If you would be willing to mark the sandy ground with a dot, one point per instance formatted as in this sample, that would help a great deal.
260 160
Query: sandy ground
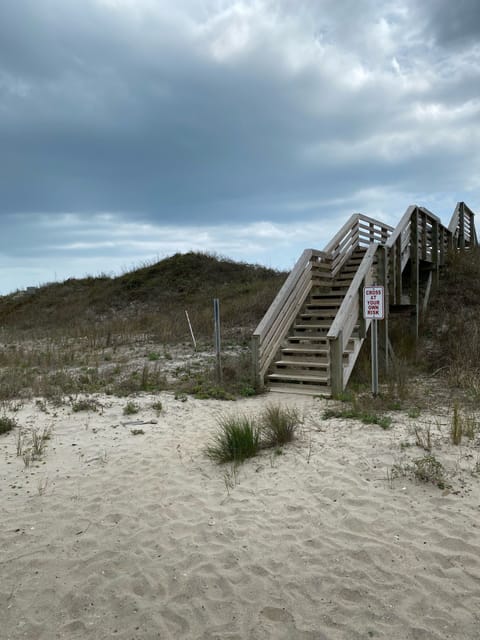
115 535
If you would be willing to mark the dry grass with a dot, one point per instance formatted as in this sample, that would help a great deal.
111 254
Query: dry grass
74 337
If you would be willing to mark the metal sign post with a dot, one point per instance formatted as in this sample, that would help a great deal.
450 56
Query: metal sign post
373 309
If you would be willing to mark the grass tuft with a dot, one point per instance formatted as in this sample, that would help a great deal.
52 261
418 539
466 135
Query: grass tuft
130 408
238 439
429 469
279 424
7 424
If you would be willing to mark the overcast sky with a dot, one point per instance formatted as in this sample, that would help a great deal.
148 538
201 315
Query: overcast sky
134 129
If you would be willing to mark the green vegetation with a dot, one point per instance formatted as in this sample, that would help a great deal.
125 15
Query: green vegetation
31 445
238 438
70 338
451 332
429 469
425 469
278 425
360 410
7 424
462 425
130 408
151 299
85 404
157 406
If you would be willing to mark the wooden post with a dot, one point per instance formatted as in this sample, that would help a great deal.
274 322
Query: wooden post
256 379
336 365
216 313
382 278
461 230
398 270
423 239
414 270
362 325
435 254
442 245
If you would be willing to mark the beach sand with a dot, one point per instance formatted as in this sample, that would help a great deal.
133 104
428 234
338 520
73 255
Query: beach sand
115 535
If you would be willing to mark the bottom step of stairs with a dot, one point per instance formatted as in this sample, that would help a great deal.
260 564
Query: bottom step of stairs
299 382
301 388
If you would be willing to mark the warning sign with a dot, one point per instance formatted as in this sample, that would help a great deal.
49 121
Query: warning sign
373 303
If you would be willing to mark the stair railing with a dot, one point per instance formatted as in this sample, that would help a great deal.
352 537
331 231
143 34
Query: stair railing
348 316
268 336
358 231
462 227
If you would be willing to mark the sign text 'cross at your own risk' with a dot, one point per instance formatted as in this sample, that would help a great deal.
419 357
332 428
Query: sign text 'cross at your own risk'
373 303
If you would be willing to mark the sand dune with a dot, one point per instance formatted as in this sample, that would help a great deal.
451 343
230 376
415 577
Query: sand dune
141 537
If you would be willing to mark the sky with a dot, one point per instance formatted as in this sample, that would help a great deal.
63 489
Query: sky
131 130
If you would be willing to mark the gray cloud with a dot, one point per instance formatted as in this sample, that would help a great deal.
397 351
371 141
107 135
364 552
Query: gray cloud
214 113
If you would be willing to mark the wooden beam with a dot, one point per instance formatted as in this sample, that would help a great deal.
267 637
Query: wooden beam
435 253
414 270
382 279
336 365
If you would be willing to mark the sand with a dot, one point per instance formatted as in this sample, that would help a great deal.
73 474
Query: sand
115 535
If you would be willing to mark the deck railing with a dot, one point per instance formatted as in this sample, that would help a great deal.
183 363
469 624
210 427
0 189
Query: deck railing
283 311
350 316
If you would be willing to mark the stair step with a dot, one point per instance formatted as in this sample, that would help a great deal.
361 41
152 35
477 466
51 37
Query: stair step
301 388
321 266
298 378
304 338
327 296
298 364
324 304
317 313
314 351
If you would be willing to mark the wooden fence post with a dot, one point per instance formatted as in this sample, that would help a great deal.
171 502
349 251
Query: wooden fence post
414 270
382 264
256 378
435 253
336 365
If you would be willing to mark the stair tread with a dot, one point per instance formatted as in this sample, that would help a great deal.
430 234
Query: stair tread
311 350
301 363
317 325
328 313
300 377
310 390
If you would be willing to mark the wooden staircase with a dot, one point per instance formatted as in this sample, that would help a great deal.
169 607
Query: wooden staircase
304 363
311 335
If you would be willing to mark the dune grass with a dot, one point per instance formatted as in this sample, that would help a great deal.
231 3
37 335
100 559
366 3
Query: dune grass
237 439
7 424
240 437
279 424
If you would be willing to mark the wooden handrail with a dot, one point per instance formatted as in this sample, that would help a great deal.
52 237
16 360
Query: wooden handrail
352 293
462 226
401 226
270 332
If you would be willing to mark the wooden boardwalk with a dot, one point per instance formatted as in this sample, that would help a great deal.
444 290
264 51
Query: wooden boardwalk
310 337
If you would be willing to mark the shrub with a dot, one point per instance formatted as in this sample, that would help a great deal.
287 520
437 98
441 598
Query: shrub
130 408
86 404
279 424
429 469
157 406
365 416
237 439
7 424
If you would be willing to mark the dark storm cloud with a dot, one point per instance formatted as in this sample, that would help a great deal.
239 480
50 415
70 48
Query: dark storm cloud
454 24
116 113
